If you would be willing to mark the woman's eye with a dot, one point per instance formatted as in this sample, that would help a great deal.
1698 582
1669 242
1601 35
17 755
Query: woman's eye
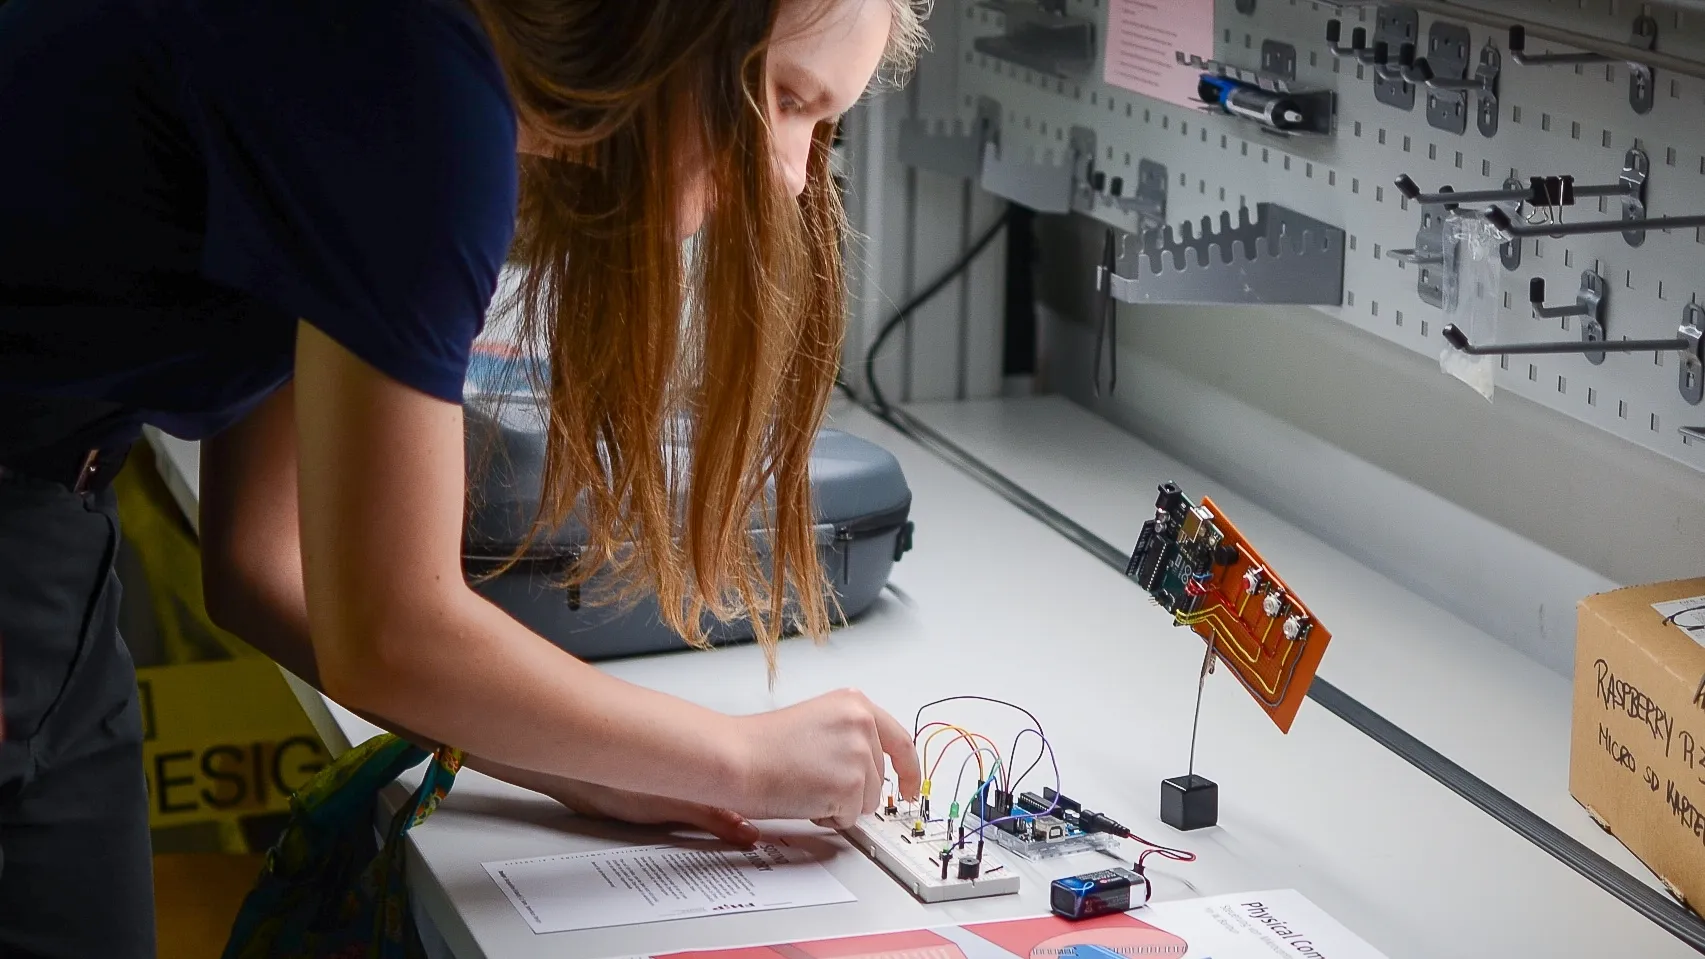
788 103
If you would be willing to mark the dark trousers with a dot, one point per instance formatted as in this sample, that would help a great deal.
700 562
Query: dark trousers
76 871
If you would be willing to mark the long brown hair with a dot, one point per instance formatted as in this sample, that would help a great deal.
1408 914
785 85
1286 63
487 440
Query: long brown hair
726 355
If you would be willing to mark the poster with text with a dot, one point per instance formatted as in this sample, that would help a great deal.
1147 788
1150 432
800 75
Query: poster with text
1246 926
1144 38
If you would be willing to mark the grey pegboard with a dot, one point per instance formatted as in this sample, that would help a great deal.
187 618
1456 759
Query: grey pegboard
1574 119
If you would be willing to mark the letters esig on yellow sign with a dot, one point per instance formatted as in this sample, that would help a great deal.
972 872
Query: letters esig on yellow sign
222 740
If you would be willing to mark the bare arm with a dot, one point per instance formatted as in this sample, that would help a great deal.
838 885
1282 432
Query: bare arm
372 607
393 632
251 547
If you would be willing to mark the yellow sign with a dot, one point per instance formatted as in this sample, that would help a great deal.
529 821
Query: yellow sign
222 740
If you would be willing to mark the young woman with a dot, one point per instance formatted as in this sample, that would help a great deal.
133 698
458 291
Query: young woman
275 226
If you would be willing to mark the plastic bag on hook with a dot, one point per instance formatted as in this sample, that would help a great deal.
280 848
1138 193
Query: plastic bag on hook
1473 293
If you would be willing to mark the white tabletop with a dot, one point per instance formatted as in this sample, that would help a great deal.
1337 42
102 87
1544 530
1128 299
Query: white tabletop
1492 710
997 604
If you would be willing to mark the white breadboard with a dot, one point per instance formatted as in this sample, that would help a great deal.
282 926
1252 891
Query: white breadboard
915 862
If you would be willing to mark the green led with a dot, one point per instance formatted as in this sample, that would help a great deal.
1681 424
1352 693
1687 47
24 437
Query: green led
953 813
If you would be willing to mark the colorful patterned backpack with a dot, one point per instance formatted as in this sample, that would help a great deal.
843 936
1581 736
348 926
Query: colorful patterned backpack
329 890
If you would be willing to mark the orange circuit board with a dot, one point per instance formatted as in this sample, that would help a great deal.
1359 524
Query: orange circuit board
1197 566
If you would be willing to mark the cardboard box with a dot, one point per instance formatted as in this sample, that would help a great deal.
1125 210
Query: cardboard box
1637 754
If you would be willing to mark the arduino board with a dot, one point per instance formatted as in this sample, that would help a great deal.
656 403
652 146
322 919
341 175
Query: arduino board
1197 566
916 861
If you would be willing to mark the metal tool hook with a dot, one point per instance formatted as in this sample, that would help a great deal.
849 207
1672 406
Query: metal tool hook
1689 342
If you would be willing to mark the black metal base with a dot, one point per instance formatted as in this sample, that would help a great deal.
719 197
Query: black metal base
1189 802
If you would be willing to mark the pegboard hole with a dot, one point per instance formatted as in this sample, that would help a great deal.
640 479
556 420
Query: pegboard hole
1485 167
1353 241
1622 409
1657 359
1148 116
1379 194
1374 307
1225 141
1568 257
1355 185
1545 122
1504 361
1506 299
1359 133
1287 163
1382 136
1406 144
1515 114
1459 159
1266 155
1245 149
1350 298
1423 327
1562 384
1376 251
1575 130
1592 396
1654 422
1669 156
1399 317
1432 150
1331 177
1166 123
1532 373
1607 139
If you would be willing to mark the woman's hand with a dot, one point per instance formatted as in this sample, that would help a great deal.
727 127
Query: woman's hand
602 802
825 760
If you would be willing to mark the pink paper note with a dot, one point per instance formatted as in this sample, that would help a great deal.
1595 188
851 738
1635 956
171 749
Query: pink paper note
1143 40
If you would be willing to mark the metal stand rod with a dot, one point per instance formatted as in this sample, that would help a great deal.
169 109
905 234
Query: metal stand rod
1201 683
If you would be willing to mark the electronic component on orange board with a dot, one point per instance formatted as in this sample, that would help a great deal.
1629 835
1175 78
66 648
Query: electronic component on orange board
1197 566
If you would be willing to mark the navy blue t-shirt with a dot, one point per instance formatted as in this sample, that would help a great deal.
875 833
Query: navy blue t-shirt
181 180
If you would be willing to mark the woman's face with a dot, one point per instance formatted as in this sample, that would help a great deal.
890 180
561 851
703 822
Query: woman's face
820 62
